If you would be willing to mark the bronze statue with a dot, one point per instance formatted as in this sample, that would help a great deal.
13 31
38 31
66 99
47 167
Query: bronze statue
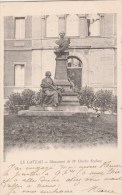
63 43
52 94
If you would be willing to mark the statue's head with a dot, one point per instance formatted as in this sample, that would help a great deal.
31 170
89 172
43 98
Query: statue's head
48 74
62 34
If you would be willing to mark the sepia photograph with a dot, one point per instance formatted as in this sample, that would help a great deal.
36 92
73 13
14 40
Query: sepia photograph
60 80
61 97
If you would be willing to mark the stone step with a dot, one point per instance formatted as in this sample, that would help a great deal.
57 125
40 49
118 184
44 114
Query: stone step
70 99
73 103
52 111
69 93
44 113
69 108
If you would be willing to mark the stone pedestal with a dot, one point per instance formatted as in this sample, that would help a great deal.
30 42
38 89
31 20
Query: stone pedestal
69 98
61 70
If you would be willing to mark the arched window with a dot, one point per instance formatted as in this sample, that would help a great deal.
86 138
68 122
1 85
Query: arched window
72 25
74 72
74 62
93 25
52 26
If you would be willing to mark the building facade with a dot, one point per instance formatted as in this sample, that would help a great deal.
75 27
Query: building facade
29 43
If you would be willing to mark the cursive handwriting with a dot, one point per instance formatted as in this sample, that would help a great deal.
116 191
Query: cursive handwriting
100 189
61 178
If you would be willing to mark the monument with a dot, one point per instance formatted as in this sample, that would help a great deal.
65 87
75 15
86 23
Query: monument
61 78
62 53
69 103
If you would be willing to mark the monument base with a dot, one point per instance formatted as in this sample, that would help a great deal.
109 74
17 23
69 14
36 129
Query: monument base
69 106
61 78
63 84
53 111
70 99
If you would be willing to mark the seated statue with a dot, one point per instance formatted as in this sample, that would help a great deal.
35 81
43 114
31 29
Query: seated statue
51 94
63 43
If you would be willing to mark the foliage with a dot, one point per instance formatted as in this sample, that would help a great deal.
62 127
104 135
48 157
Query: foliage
86 96
28 97
14 100
103 99
38 98
17 101
114 104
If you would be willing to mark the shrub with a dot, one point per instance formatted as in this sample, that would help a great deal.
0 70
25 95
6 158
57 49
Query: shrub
86 96
38 97
28 97
11 105
114 104
22 101
103 100
15 98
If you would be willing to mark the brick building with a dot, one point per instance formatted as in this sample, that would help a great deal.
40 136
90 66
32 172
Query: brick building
29 43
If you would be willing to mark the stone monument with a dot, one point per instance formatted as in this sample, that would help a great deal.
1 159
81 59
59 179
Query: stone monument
62 53
61 78
70 103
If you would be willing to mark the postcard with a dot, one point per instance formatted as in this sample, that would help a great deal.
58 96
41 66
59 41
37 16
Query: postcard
61 97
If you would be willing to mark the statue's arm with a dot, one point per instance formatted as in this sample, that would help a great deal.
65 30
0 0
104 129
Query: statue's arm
53 83
44 84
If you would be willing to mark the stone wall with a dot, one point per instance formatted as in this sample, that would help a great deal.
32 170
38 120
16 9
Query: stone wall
98 54
15 57
101 68
9 26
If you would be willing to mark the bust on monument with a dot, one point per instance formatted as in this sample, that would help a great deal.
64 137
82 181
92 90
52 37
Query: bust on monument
63 44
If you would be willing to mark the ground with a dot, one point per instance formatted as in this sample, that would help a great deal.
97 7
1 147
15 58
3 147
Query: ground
77 130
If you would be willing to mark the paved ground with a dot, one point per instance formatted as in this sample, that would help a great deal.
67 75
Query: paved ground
77 130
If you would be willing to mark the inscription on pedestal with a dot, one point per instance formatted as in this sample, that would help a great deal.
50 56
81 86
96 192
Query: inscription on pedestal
61 67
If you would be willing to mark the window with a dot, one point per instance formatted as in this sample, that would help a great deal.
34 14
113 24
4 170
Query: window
74 62
52 26
20 28
74 72
19 75
93 25
72 25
